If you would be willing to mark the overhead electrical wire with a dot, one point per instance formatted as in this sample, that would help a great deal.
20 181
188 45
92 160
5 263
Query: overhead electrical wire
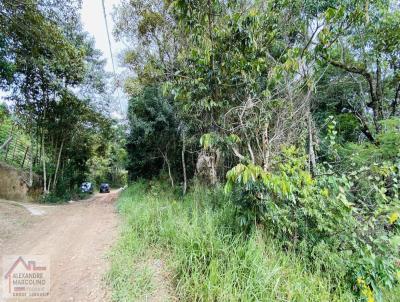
112 56
108 36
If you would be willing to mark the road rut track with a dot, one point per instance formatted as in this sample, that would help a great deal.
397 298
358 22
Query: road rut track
77 238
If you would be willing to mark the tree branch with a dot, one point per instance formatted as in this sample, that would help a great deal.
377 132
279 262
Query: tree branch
236 152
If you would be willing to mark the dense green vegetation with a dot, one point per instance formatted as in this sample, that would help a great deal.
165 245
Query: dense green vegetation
210 257
283 114
293 107
57 91
16 152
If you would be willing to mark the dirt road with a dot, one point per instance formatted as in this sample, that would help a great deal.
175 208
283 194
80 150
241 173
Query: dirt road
76 237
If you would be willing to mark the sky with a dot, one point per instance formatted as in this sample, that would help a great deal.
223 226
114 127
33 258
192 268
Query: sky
93 22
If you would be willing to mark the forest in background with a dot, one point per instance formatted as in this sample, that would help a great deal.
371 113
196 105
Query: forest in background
292 106
57 120
275 124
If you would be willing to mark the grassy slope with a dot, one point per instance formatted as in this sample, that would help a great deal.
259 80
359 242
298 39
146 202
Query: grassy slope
208 262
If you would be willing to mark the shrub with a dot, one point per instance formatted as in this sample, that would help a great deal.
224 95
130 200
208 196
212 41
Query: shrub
325 218
208 259
64 196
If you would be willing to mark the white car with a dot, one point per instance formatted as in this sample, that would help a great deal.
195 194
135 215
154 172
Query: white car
87 187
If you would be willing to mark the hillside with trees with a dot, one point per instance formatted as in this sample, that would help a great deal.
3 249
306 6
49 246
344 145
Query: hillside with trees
261 141
58 123
293 108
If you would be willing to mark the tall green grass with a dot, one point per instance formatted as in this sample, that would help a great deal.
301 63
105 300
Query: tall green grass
208 258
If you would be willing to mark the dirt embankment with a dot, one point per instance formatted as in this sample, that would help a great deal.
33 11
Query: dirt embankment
14 184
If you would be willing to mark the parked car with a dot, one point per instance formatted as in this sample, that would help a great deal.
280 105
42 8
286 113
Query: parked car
87 187
104 188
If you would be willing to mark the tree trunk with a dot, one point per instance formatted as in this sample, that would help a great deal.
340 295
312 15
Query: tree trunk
23 160
266 148
31 162
396 100
378 105
49 184
213 170
38 156
165 156
184 167
311 152
58 164
44 166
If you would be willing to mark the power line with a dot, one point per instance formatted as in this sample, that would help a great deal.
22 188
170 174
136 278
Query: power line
112 56
108 36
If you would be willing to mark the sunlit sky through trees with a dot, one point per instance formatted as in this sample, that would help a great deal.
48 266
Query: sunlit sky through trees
93 21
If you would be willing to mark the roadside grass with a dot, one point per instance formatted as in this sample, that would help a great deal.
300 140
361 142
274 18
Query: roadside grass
208 258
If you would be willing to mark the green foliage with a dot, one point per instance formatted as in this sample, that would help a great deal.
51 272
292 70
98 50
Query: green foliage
6 66
330 219
205 257
246 78
57 84
62 195
16 151
5 122
364 155
153 135
209 140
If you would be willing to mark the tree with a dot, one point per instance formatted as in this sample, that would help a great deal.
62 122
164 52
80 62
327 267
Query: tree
58 85
362 40
153 138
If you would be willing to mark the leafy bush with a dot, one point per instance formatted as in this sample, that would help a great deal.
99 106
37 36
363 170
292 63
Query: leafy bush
326 218
64 196
207 259
153 135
